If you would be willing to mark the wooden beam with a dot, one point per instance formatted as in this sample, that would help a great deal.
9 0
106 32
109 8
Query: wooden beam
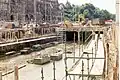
86 75
85 57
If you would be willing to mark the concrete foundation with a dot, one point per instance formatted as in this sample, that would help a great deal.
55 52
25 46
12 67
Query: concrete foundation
56 57
42 60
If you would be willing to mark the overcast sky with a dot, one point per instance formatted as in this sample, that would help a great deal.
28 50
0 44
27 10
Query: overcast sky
102 4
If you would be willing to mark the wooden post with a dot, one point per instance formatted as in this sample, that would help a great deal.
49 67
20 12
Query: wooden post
0 75
10 36
0 35
18 34
5 35
16 73
114 73
13 35
42 31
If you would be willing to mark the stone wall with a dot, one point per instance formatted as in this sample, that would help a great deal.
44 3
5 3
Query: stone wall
30 11
111 55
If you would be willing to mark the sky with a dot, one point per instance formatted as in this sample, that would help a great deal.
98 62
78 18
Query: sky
102 4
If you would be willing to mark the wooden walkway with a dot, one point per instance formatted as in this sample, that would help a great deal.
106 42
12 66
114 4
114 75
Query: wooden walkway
30 40
77 29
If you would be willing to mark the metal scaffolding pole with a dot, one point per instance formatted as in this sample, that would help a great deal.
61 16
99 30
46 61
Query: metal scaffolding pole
79 41
88 66
64 40
92 56
74 49
54 69
82 40
82 70
42 74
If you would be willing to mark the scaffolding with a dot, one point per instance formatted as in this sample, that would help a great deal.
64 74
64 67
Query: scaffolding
82 55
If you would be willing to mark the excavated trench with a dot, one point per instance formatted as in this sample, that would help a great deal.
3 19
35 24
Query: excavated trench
73 35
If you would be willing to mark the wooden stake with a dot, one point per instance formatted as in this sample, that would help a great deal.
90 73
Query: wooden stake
114 73
16 73
0 75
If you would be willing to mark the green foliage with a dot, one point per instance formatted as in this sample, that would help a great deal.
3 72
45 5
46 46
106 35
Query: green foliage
72 12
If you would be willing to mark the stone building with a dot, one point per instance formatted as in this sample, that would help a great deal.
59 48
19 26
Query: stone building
39 11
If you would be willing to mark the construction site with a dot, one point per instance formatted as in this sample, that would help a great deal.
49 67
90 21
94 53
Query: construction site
36 43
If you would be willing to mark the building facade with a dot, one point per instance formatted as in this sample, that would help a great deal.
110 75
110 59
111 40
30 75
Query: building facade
39 11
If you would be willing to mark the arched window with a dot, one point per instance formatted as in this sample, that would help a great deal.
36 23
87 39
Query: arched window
12 17
31 17
26 17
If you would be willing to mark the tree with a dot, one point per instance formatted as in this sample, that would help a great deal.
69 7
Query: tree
72 12
68 11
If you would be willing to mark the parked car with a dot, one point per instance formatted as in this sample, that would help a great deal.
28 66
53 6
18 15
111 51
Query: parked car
36 47
25 51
